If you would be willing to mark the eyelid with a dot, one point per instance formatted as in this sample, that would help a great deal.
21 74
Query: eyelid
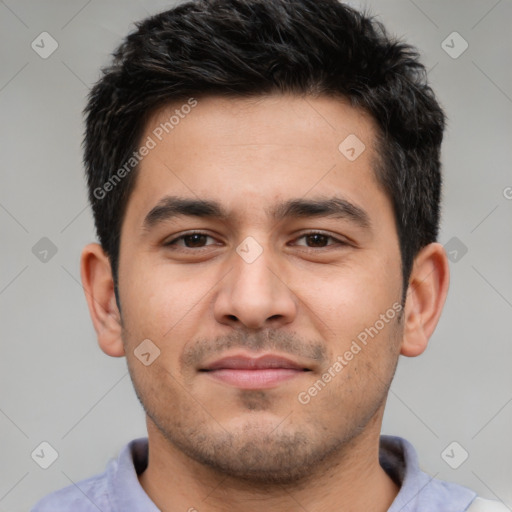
188 233
339 241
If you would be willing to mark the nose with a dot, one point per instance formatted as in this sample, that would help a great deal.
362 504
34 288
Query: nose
255 294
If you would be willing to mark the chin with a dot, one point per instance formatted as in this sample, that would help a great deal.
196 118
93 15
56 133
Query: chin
260 452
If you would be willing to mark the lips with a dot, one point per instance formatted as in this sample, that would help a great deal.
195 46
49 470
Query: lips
247 372
249 363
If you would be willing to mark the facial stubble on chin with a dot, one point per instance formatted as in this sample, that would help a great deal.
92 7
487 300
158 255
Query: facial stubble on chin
258 454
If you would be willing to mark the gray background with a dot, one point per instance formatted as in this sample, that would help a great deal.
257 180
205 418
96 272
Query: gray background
56 384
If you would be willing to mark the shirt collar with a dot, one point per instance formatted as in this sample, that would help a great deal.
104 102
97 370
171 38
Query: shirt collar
418 491
126 491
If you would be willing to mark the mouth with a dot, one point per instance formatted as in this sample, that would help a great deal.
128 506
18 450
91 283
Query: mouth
262 372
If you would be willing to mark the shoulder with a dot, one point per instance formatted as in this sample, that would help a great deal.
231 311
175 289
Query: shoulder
116 488
483 505
88 495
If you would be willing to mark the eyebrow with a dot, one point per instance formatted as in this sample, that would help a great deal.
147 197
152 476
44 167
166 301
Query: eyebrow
170 207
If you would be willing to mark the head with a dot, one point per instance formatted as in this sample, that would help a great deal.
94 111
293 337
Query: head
247 118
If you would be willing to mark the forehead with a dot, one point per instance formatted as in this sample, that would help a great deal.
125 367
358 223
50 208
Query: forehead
256 120
249 153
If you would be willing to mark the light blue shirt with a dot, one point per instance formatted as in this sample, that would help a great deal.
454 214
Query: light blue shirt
118 488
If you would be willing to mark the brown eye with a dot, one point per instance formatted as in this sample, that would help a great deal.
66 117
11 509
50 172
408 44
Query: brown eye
190 241
318 240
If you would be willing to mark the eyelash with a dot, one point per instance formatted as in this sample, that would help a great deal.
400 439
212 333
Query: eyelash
172 243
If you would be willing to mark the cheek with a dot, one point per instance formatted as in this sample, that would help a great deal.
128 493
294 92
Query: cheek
165 306
154 298
353 296
358 313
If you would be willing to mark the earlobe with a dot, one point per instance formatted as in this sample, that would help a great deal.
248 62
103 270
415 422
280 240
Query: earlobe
98 285
428 288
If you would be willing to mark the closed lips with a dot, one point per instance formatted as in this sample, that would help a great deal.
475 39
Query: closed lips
261 363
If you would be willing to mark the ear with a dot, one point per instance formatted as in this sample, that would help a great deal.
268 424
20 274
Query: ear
428 288
98 285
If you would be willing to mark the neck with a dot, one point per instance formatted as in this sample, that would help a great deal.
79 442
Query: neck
348 481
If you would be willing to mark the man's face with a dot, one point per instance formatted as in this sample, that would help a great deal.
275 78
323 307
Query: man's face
301 287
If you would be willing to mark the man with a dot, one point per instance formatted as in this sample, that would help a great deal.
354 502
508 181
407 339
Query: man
265 181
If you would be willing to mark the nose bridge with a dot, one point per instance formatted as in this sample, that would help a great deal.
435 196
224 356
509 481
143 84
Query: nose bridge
251 265
253 293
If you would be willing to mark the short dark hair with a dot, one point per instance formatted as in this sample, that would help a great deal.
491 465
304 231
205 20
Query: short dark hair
248 48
